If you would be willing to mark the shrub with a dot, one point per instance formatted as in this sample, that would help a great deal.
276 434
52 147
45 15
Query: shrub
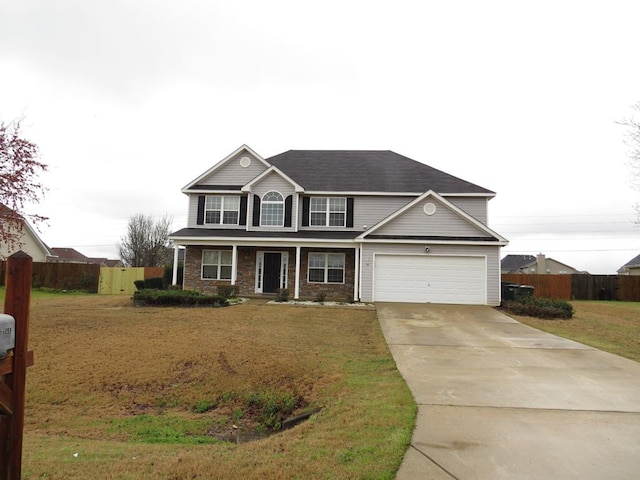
177 298
154 283
282 295
320 296
540 307
139 284
88 281
228 291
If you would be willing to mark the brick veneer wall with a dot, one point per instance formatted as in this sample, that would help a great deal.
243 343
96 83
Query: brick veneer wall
245 280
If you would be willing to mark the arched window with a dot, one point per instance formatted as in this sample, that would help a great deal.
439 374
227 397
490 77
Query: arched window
272 210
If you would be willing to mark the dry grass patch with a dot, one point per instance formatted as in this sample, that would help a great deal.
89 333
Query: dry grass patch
148 392
610 326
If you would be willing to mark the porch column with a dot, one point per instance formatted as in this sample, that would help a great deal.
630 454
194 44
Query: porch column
296 293
176 250
234 264
356 276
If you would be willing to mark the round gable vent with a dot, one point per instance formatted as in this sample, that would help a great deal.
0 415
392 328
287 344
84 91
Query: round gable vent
245 162
429 208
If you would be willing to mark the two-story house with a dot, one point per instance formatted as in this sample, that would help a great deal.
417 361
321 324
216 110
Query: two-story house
361 225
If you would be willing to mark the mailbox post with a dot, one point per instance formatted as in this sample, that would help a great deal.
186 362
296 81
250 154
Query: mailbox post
12 391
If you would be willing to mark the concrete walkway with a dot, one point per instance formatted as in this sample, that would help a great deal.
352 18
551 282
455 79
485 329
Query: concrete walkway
497 399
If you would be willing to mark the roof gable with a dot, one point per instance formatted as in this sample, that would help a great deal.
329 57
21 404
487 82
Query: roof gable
634 262
380 171
231 173
267 173
431 215
16 222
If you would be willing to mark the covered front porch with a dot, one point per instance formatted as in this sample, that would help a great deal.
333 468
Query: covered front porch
262 270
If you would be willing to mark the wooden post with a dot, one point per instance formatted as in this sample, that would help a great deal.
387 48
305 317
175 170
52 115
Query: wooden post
16 304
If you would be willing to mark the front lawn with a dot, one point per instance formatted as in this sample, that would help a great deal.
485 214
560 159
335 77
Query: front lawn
610 326
124 392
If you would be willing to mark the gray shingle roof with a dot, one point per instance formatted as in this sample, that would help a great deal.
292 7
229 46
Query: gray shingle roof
633 262
516 262
367 171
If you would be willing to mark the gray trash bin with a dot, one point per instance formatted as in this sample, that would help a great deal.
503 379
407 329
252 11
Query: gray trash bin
524 291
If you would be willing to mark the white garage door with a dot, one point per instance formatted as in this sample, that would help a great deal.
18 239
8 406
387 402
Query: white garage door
430 279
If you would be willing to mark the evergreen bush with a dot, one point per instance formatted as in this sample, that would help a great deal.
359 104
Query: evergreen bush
187 298
547 308
228 291
283 295
156 283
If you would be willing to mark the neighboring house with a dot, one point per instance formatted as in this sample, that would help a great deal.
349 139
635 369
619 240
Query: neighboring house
68 255
27 241
538 264
361 225
106 262
632 267
71 255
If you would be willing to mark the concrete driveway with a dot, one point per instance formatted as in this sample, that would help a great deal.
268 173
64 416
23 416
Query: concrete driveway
497 399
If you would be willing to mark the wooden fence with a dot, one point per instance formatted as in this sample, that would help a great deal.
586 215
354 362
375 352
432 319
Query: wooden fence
581 287
70 276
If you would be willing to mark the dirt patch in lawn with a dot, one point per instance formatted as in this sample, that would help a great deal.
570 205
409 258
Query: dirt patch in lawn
106 371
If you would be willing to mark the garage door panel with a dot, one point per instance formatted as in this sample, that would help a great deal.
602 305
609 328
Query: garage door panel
432 279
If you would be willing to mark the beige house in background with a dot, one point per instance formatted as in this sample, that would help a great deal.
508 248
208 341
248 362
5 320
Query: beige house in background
29 241
632 267
539 264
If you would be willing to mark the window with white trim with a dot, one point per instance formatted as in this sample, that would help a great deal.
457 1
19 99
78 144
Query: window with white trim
326 268
221 210
216 264
272 210
327 211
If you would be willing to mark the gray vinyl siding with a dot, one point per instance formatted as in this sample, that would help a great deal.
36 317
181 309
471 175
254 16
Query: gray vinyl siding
192 220
444 222
232 173
474 206
272 182
367 210
492 254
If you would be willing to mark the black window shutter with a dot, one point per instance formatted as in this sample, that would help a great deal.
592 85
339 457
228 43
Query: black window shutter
350 212
305 211
200 219
256 211
243 211
288 208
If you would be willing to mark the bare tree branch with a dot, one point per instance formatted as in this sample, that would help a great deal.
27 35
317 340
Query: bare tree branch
19 168
632 140
146 243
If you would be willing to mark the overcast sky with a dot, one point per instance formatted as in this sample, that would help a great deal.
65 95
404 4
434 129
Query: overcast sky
130 100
